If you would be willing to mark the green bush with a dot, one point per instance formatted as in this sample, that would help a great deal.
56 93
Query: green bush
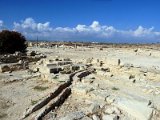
12 41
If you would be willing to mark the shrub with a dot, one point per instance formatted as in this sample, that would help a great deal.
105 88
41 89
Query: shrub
12 41
114 88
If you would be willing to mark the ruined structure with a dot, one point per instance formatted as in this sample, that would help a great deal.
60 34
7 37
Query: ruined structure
81 83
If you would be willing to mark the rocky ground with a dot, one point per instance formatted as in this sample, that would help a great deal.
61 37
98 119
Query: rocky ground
84 84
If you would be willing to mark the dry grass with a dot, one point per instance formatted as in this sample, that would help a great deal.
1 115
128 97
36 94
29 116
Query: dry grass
40 88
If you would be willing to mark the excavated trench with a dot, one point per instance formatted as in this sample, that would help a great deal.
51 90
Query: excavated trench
56 98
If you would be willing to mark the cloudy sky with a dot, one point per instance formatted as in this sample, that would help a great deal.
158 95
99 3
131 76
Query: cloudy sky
83 20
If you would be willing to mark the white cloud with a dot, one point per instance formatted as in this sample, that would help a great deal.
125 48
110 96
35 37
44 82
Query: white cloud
93 32
29 25
140 31
95 26
1 23
81 28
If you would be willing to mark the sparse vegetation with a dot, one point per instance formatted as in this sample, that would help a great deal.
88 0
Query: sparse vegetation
114 88
33 102
40 88
55 77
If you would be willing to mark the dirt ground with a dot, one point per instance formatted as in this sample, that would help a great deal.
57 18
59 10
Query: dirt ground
20 90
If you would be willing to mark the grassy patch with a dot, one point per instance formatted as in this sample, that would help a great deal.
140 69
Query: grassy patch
33 102
114 88
40 88
55 77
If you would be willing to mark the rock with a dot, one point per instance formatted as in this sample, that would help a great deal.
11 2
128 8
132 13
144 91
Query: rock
144 70
66 59
33 53
99 95
66 69
17 53
135 50
64 62
4 68
11 67
101 63
138 109
86 118
94 108
119 61
84 74
75 67
110 99
20 62
131 76
134 81
109 117
111 110
50 68
73 116
105 69
95 117
82 89
89 60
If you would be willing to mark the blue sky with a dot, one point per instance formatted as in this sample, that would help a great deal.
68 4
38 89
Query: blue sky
86 20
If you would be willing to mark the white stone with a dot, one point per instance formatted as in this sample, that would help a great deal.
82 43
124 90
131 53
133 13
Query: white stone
110 99
137 109
73 116
94 108
109 110
109 117
86 118
95 117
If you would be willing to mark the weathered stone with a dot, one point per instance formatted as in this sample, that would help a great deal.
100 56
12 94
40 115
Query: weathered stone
138 109
119 61
33 53
109 117
86 118
105 69
83 74
64 62
73 116
110 99
4 68
89 60
95 117
11 67
82 89
50 68
131 76
94 108
67 59
99 94
75 67
111 110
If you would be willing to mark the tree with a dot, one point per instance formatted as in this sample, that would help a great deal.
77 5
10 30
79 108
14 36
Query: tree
12 41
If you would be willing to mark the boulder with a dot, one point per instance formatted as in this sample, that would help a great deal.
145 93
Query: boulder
138 109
